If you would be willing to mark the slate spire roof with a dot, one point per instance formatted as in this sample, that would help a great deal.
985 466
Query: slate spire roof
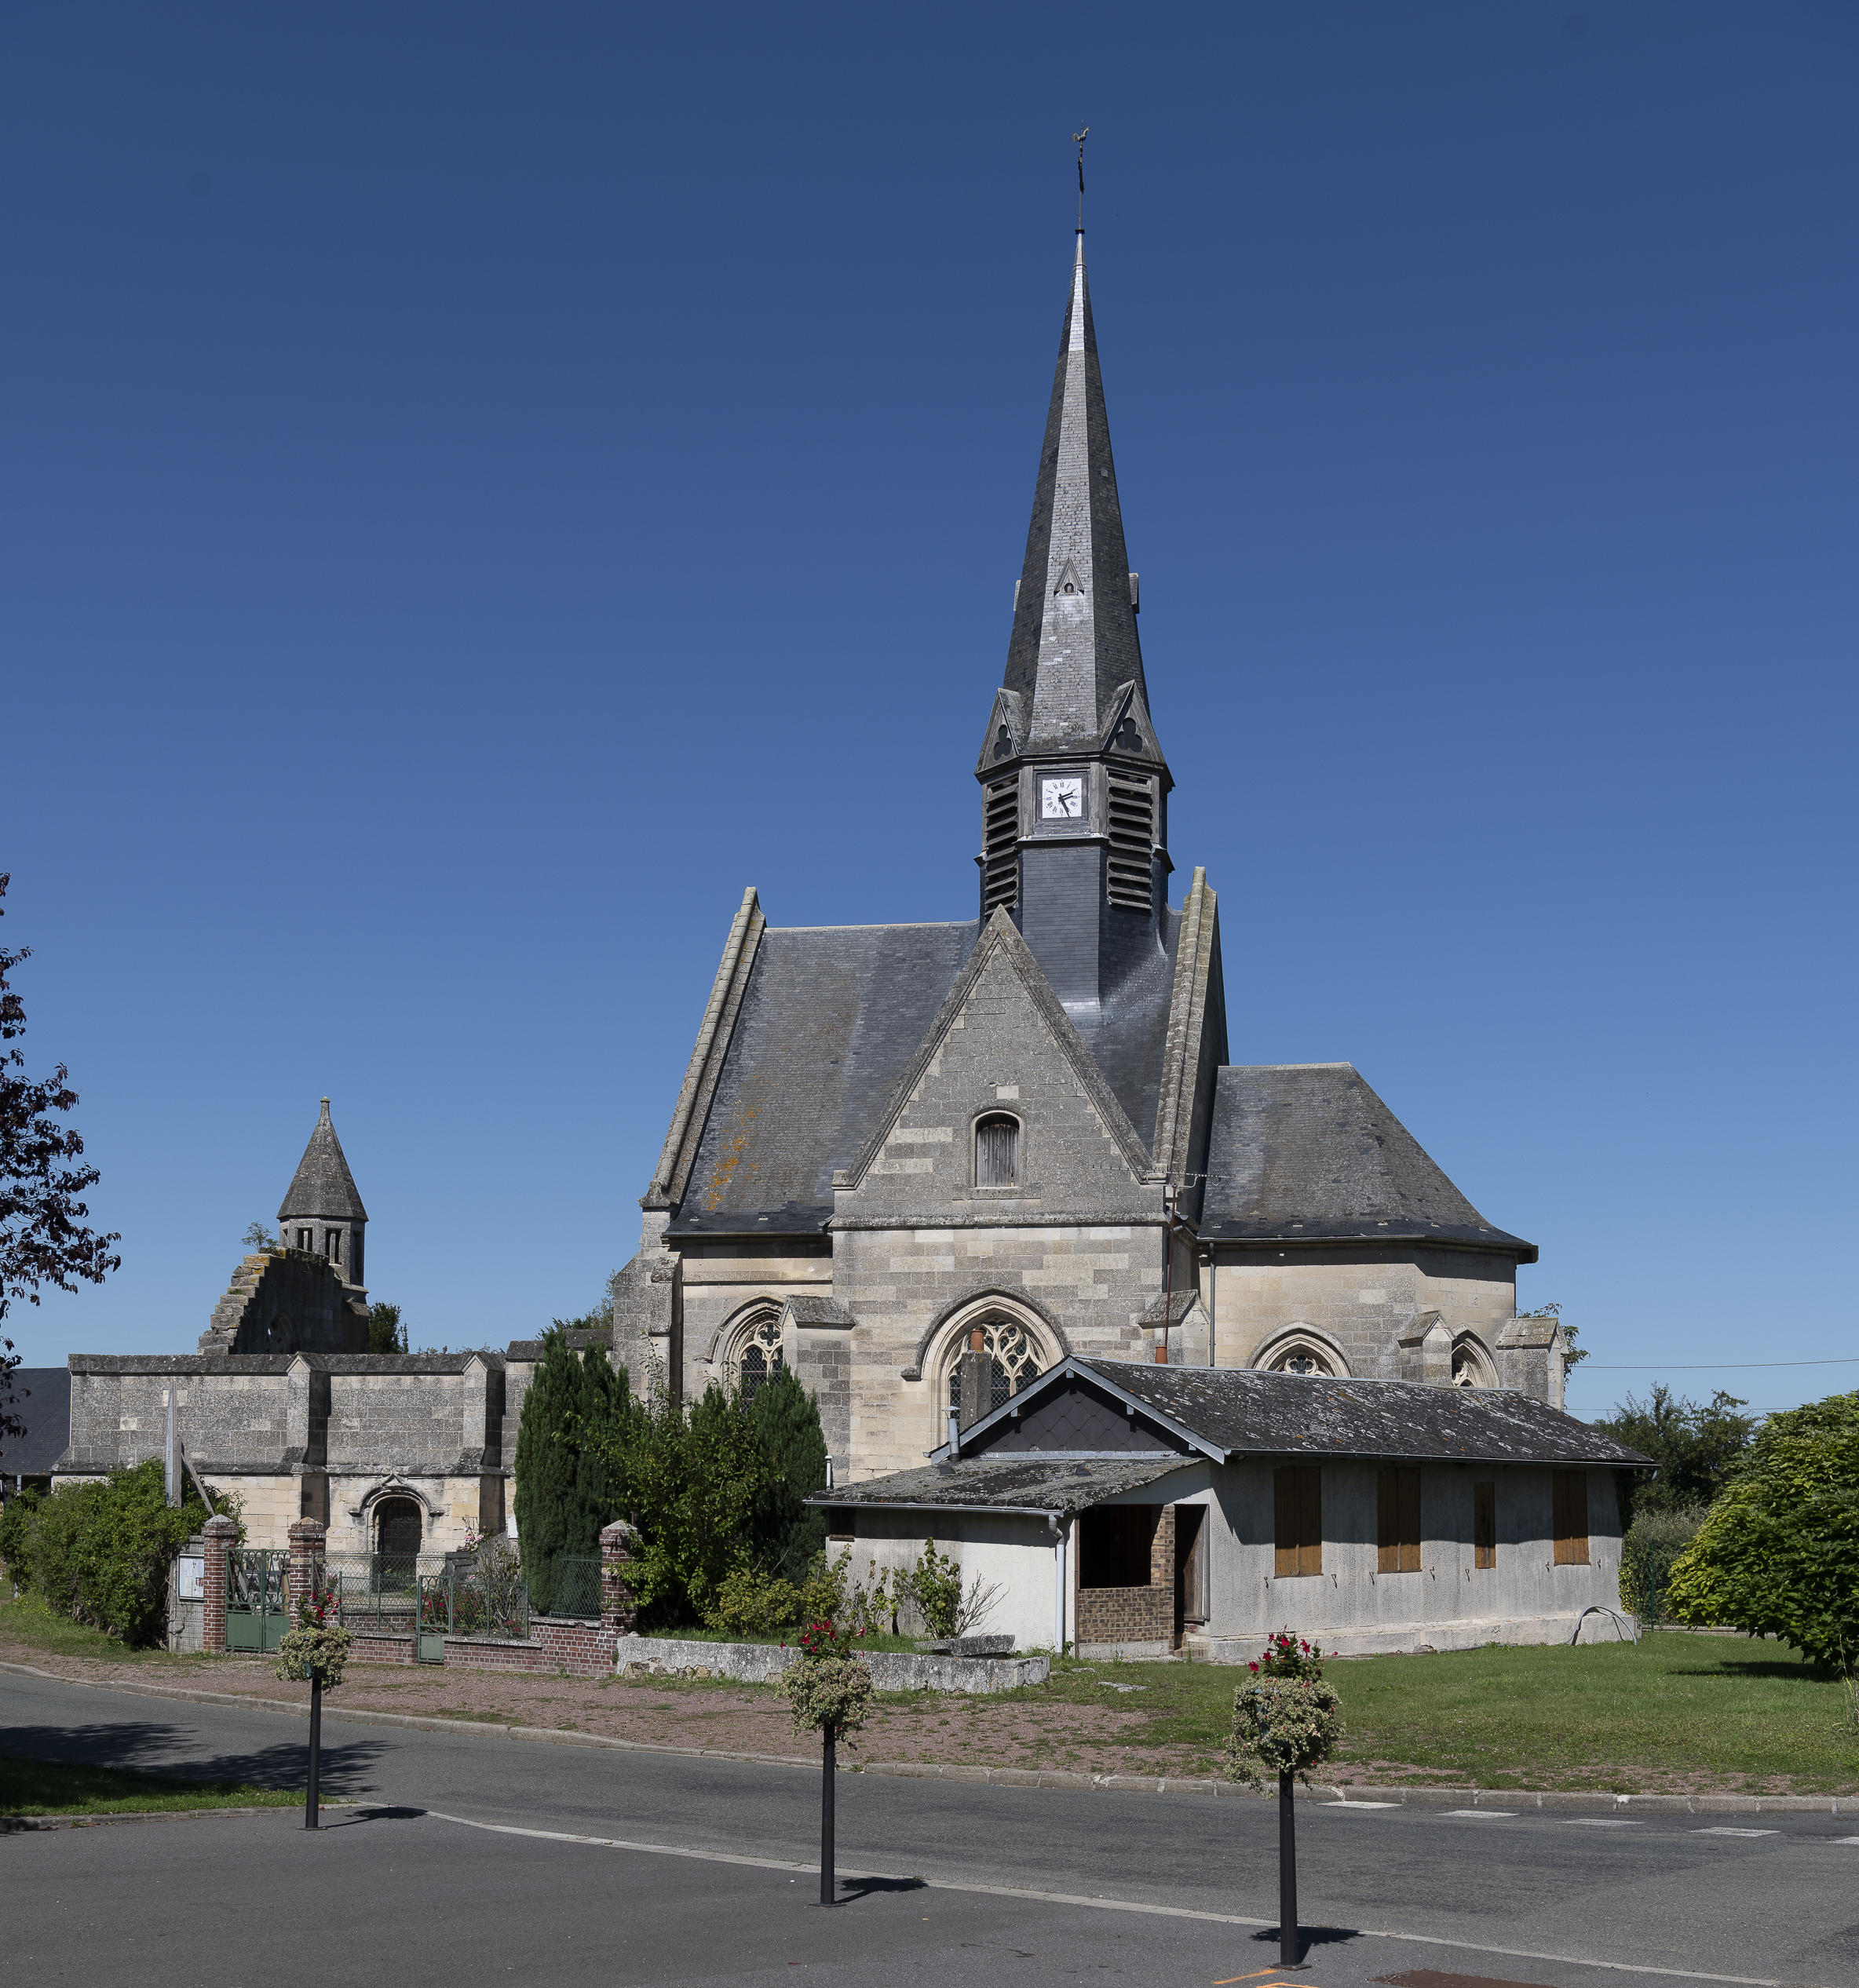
322 1184
1074 651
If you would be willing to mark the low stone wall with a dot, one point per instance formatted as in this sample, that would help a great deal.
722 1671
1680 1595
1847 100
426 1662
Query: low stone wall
582 1649
761 1663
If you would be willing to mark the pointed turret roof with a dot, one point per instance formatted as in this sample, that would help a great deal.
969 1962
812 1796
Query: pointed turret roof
1074 657
322 1184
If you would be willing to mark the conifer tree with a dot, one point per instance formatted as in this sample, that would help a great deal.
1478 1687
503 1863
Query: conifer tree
563 1494
786 1419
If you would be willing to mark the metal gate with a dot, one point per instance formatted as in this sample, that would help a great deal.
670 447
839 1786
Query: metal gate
255 1598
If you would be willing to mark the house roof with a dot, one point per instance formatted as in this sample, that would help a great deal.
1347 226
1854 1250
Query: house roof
46 1413
322 1184
1303 1154
1234 1412
1059 1486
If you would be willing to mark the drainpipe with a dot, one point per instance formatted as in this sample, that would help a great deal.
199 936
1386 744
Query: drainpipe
1058 1583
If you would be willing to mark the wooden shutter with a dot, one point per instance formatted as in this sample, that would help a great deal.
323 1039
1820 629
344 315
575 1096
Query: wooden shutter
1484 1525
1397 1515
1297 1521
1569 1494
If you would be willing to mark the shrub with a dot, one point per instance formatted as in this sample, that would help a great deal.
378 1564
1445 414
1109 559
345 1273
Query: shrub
1778 1553
16 1535
1653 1542
789 1532
752 1603
935 1585
101 1552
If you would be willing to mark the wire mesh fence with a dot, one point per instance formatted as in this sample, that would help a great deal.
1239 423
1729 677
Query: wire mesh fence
474 1600
566 1584
378 1590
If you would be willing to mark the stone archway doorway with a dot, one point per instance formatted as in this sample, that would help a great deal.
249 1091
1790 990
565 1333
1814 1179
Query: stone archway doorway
400 1530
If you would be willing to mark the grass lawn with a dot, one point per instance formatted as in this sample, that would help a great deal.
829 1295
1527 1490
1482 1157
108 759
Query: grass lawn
1676 1714
55 1788
27 1621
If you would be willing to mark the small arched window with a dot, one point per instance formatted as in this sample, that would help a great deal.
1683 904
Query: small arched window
997 1152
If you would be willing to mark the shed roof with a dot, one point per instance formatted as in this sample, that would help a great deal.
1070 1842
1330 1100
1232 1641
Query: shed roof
1307 1153
1236 1412
1061 1486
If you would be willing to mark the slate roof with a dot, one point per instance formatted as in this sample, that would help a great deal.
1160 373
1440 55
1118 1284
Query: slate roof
1067 658
1307 1153
322 1184
46 1413
1061 1486
1239 1412
831 1017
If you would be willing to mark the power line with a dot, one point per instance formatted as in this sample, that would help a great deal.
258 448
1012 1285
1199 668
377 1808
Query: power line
1717 1366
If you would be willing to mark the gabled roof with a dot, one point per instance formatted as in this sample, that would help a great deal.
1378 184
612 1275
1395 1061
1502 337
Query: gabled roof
1306 1153
322 1184
1074 644
1002 936
1230 1413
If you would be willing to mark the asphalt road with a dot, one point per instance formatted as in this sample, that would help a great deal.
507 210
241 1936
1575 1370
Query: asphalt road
1536 1897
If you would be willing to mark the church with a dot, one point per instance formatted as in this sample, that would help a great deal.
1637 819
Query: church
973 1181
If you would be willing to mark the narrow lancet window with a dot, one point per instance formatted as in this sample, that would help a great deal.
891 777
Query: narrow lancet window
997 1153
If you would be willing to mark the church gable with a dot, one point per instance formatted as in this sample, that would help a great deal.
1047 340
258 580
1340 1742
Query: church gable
1001 1111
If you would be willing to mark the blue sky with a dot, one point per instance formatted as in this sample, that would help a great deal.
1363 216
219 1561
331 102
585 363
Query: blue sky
483 484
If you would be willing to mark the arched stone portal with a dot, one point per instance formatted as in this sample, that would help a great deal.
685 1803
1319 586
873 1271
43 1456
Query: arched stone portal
399 1529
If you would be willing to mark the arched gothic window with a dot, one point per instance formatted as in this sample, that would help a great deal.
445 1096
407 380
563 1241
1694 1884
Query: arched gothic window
1303 1352
1470 1368
1014 1357
758 1354
997 1152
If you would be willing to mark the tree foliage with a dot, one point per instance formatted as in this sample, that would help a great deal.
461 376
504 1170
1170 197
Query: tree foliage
574 1409
99 1552
386 1334
790 1533
1779 1554
1695 1445
258 1236
43 1237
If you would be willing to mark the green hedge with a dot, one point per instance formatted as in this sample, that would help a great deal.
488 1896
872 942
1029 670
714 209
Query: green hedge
99 1553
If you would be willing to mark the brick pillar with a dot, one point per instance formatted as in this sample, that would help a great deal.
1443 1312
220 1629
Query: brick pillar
221 1534
618 1611
306 1538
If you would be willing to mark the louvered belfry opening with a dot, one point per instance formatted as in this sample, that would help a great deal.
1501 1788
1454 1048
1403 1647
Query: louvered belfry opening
997 1153
1132 842
1000 838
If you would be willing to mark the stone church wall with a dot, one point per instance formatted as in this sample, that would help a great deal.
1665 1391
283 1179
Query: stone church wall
1364 1300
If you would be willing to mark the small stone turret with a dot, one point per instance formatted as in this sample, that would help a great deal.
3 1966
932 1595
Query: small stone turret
323 1214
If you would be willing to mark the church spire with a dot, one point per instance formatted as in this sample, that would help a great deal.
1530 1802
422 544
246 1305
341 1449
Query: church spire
1073 787
1074 652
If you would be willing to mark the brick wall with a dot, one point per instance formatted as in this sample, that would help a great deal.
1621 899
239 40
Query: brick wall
372 1646
1135 1615
582 1649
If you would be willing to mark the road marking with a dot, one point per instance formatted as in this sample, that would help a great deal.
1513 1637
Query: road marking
1496 1815
1103 1904
1725 1832
1343 1803
1603 1822
1843 1838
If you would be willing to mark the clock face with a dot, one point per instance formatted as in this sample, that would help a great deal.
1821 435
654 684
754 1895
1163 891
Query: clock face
1062 800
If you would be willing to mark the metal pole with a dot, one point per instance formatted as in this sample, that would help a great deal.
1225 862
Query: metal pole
310 1798
1288 1943
827 1887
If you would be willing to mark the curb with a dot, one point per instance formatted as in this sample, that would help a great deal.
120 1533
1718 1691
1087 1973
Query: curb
1396 1796
16 1824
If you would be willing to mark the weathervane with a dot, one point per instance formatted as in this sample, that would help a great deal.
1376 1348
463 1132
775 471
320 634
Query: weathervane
1078 139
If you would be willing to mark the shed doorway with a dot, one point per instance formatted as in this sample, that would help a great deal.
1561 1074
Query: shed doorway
400 1527
1190 1569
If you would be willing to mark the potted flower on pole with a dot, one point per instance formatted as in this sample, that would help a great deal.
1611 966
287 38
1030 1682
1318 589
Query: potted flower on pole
1286 1720
830 1691
316 1648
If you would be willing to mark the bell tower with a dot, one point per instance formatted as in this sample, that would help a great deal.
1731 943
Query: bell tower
1074 786
322 1211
